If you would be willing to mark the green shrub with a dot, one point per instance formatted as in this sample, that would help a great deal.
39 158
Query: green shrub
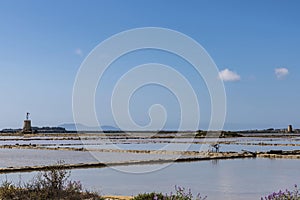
180 194
149 196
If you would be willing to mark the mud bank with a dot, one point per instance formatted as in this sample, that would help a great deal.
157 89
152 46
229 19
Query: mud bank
295 154
199 157
266 144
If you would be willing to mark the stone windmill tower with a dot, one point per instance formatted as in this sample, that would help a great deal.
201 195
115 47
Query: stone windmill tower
27 124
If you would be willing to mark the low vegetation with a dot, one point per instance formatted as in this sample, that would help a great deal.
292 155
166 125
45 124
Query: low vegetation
284 195
51 184
217 134
180 194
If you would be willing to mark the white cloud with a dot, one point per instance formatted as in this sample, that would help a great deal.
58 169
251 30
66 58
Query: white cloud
227 75
281 72
78 52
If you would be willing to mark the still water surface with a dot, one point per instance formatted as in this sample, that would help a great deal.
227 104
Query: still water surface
224 179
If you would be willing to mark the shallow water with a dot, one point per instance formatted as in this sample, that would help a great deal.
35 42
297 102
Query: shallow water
31 157
182 147
225 179
222 179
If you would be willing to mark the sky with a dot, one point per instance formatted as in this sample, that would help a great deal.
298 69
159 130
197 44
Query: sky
255 45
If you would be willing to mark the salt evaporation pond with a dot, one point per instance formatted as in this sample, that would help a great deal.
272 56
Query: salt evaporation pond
179 147
32 157
218 179
224 179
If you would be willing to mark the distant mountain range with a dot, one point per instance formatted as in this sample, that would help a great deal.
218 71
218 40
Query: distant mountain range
81 127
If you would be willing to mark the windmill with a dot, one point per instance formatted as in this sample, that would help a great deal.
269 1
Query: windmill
27 124
27 115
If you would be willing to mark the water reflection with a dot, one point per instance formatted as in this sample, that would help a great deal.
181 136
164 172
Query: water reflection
223 179
214 162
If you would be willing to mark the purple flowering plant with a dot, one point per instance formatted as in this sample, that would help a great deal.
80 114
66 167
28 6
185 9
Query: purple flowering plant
284 195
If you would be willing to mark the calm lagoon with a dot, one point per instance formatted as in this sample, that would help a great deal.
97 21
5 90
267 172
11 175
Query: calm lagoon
222 179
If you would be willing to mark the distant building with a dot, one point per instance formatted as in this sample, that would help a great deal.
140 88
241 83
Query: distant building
290 129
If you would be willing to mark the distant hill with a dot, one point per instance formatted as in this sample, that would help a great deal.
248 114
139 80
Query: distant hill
81 127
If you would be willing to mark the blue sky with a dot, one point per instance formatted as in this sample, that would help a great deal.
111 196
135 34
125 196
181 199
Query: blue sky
43 43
